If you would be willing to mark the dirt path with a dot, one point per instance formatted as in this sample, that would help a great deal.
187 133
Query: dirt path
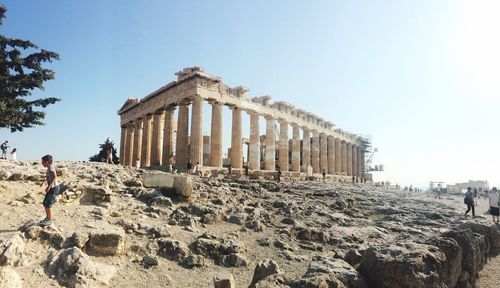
490 275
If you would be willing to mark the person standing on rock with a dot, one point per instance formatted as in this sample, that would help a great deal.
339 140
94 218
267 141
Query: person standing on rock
494 204
324 175
278 173
51 191
189 167
13 154
469 201
4 147
109 156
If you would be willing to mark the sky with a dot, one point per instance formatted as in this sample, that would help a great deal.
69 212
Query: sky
420 78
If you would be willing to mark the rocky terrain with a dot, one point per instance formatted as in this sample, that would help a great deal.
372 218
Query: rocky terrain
112 231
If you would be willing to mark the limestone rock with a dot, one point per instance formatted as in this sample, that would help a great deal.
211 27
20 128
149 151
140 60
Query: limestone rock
403 266
264 269
106 243
11 248
183 185
226 252
9 278
224 281
326 264
172 249
71 267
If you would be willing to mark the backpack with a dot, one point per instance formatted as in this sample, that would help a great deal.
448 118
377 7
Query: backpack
468 198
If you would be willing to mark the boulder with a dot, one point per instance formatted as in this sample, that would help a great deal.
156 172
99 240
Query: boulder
488 229
474 249
172 249
409 265
224 281
106 243
157 179
183 185
11 248
46 235
9 278
224 251
264 269
71 267
345 273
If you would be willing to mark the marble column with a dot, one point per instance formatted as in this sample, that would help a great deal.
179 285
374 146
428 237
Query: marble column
196 145
130 149
283 146
147 136
254 147
156 144
167 137
349 159
338 157
306 148
270 160
354 160
137 155
216 135
123 145
296 148
331 155
344 158
181 143
236 137
315 152
361 157
323 156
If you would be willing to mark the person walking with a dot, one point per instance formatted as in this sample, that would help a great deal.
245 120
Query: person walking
494 204
51 191
469 201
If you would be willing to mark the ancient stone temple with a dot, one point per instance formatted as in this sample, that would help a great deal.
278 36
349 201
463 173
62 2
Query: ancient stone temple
151 135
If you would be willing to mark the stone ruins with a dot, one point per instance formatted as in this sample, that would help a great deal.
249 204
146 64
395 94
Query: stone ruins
148 130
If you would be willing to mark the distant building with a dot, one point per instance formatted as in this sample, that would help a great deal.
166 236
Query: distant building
481 186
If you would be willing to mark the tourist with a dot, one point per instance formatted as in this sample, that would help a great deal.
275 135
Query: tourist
469 201
353 179
4 147
324 175
13 154
197 168
278 173
170 168
52 189
246 171
475 196
137 163
229 171
109 156
309 171
494 204
189 167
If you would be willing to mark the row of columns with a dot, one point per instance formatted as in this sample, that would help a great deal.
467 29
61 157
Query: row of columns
142 142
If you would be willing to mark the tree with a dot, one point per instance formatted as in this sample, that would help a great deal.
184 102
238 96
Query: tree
19 76
101 156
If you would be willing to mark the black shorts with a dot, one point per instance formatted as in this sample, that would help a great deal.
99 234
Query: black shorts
50 197
495 211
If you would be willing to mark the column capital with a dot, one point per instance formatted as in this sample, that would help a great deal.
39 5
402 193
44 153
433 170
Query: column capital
214 102
268 117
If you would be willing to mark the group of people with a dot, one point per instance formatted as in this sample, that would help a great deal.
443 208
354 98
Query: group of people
5 146
494 202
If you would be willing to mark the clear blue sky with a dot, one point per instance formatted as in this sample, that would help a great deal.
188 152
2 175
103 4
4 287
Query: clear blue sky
420 77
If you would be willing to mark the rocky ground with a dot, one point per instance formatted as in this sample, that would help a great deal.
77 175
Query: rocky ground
112 231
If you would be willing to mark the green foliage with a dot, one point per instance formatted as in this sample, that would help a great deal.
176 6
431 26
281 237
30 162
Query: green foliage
101 156
19 76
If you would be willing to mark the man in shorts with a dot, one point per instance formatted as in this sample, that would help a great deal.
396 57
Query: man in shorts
494 204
